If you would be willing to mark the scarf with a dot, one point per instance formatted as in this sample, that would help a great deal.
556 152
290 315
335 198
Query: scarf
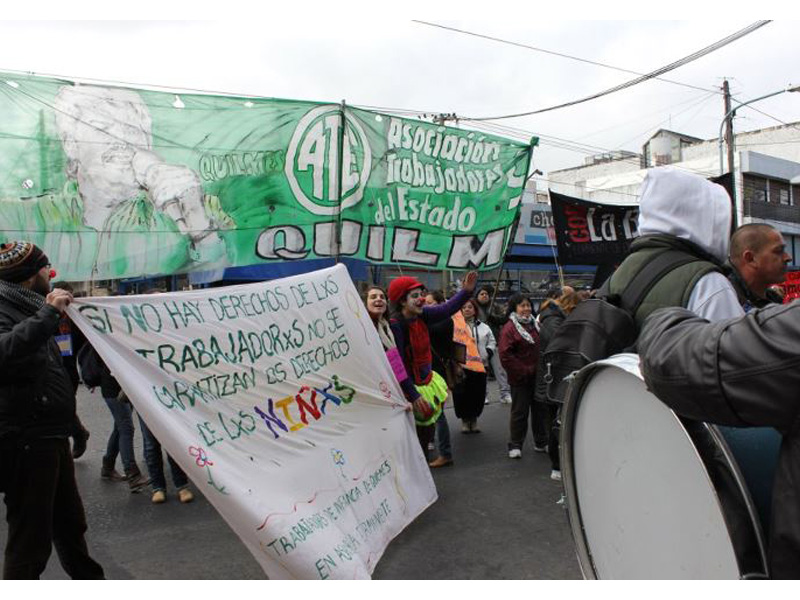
26 300
385 333
519 323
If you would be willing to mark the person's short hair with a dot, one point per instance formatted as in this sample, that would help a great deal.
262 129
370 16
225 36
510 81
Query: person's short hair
474 304
516 300
63 285
751 236
438 295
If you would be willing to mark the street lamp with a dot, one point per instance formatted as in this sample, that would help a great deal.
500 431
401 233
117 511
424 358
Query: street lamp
732 112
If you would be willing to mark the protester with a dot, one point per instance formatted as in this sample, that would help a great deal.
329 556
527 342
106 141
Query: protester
740 373
683 212
120 441
551 314
37 416
155 463
519 353
495 317
758 260
445 364
469 394
155 468
377 306
70 340
425 388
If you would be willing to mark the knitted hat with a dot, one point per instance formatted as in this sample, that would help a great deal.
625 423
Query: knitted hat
401 286
20 261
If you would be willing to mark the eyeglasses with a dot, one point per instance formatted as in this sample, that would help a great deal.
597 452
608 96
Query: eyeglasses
417 293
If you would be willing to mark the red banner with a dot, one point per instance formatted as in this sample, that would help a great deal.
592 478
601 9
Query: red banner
791 287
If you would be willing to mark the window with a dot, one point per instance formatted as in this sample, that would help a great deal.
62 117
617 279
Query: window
779 192
755 189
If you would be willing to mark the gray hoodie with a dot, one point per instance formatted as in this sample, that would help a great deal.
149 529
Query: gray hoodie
687 206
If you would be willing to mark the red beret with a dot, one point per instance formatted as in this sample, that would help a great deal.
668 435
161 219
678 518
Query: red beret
401 286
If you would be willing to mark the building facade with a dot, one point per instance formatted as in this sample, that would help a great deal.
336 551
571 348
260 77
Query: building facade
766 176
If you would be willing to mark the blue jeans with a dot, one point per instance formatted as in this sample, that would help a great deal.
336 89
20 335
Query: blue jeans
443 435
155 462
120 442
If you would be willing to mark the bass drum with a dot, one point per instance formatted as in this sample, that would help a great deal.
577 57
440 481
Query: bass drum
651 495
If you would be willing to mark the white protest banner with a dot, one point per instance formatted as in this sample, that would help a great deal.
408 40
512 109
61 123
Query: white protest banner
278 401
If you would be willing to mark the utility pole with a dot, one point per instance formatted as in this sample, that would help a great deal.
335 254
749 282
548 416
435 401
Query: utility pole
441 120
729 124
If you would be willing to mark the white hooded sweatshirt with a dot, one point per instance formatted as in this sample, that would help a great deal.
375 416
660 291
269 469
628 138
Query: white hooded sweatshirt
692 208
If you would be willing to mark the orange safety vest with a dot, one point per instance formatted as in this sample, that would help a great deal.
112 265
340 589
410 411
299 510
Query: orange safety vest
463 335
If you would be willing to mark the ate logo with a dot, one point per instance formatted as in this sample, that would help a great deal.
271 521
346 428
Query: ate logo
314 166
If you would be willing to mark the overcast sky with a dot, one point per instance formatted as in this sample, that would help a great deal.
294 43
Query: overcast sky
391 62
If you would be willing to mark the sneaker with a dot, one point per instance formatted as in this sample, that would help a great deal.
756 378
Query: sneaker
540 448
441 461
515 453
159 497
465 427
505 399
486 401
555 475
185 495
473 427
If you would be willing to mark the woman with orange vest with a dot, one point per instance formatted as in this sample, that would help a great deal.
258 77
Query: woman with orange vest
469 395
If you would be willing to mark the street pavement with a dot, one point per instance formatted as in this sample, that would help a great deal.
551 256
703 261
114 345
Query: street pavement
495 518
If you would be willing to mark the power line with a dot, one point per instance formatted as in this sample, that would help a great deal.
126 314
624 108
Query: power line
652 75
573 146
559 54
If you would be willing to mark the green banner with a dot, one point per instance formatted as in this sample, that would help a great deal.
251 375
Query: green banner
118 182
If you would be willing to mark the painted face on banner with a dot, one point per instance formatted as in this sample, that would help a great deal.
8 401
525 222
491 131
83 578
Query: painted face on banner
101 130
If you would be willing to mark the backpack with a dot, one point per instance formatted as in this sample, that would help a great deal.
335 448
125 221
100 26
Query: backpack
90 366
602 326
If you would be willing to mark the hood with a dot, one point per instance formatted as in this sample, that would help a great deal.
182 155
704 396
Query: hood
687 206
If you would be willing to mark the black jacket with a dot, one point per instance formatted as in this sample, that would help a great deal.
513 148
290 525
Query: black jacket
747 298
740 372
549 320
36 395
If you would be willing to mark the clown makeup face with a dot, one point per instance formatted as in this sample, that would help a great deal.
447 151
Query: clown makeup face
413 303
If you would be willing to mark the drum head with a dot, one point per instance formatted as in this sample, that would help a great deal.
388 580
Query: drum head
641 502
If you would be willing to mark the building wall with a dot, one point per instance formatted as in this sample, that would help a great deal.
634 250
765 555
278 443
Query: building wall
773 153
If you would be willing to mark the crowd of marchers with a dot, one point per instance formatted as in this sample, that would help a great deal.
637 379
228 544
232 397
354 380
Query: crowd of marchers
693 324
722 295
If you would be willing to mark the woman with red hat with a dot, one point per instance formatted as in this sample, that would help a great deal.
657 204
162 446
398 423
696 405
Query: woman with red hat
424 388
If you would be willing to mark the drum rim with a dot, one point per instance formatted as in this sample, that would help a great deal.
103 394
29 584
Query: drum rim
574 516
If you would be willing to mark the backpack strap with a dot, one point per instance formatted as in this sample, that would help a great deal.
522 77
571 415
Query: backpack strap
650 274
